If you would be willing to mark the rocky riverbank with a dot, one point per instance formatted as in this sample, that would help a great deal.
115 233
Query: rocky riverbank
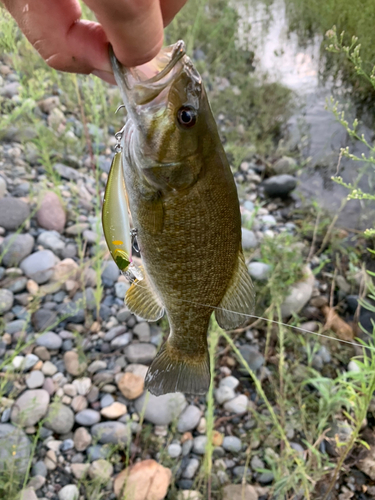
75 420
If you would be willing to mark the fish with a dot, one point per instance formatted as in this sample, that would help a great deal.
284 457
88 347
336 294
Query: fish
184 205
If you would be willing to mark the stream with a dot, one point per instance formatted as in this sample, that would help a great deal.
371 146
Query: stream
312 128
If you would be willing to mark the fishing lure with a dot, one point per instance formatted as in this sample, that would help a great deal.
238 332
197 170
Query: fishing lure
115 215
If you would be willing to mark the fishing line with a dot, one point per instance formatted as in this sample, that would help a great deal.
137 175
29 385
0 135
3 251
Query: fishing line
280 323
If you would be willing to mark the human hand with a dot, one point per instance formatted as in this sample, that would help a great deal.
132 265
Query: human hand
68 43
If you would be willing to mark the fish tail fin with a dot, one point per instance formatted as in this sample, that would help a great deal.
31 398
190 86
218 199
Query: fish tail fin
173 371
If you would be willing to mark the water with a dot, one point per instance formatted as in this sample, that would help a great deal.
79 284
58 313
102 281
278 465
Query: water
312 128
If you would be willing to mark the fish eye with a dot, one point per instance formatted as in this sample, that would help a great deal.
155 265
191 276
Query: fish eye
187 116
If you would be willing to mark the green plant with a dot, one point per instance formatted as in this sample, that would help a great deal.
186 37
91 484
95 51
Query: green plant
316 17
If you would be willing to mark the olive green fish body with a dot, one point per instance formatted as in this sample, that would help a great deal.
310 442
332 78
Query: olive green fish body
184 204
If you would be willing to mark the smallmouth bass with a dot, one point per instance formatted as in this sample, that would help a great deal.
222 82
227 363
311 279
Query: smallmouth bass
184 206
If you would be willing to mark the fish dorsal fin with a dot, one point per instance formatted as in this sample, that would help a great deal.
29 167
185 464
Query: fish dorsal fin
239 298
143 300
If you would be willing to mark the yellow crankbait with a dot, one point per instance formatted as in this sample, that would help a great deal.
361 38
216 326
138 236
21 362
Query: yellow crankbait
115 216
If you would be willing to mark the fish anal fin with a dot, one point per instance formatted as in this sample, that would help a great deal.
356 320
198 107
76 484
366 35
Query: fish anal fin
172 371
239 298
143 301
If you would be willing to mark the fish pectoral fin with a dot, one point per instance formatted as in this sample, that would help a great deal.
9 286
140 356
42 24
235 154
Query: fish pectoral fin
143 300
239 298
174 371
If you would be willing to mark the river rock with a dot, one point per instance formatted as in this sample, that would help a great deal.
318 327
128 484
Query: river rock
96 366
111 432
131 385
35 379
279 185
299 294
88 417
50 340
29 493
189 419
30 407
239 492
232 444
249 240
82 385
13 440
49 103
237 405
15 248
161 410
101 469
15 326
223 394
142 331
121 288
137 369
146 480
10 89
3 186
229 381
252 357
199 445
259 270
60 418
189 495
13 212
66 269
51 240
66 172
51 214
191 468
6 300
114 411
73 364
174 450
43 319
140 353
284 165
82 439
110 271
69 492
39 266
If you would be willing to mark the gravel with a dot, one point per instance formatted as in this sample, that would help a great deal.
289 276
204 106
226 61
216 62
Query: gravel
50 340
189 419
15 447
39 266
13 212
161 410
15 248
232 444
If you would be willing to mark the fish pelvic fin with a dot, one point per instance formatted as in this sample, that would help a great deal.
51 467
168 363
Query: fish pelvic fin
239 298
173 371
143 300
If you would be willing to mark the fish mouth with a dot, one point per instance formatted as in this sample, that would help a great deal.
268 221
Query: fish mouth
142 84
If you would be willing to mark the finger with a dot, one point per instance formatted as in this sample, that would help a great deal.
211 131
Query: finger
65 42
169 8
134 28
